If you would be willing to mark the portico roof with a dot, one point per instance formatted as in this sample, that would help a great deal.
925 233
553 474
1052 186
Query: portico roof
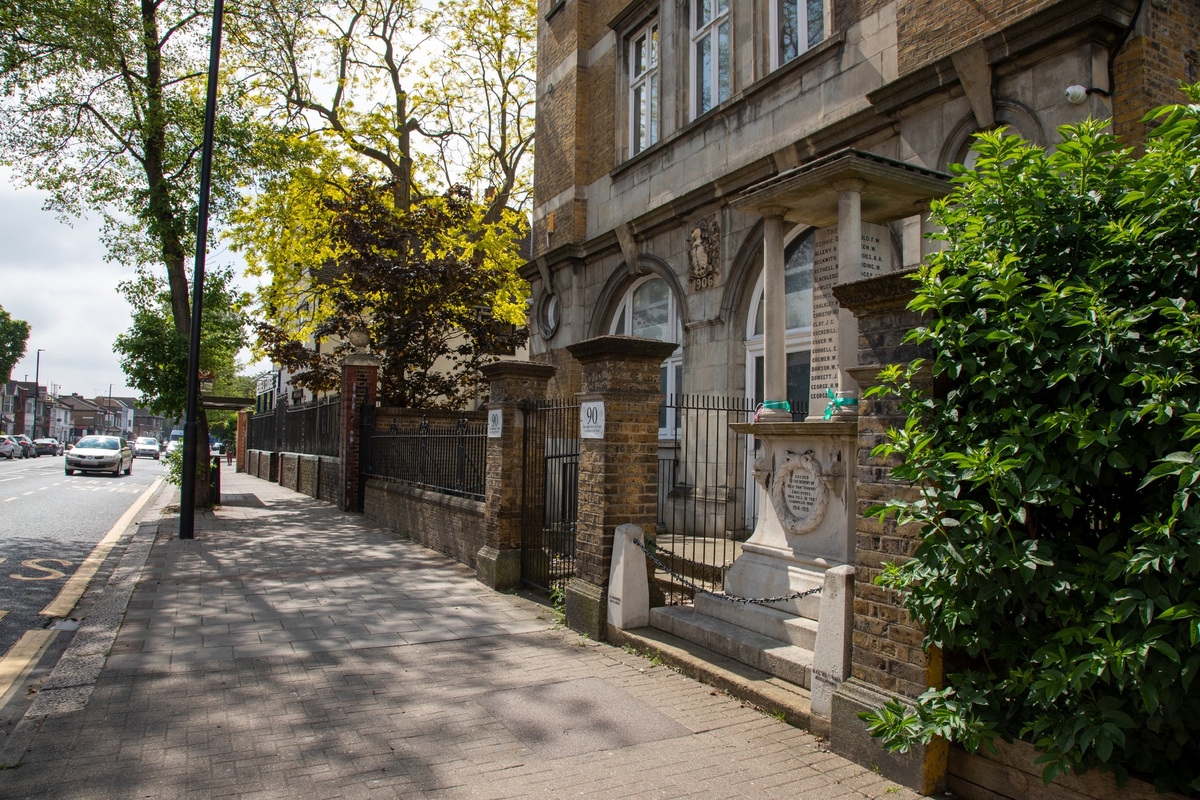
809 193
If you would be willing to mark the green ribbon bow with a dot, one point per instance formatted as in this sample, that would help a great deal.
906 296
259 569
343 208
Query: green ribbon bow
836 402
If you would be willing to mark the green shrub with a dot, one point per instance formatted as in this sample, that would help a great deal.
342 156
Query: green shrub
1059 515
174 461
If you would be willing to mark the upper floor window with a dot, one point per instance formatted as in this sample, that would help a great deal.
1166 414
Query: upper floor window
643 88
800 24
710 54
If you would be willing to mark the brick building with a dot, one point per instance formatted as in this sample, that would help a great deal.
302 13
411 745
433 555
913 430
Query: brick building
653 117
679 143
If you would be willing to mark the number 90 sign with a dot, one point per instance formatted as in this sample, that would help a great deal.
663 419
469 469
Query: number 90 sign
591 420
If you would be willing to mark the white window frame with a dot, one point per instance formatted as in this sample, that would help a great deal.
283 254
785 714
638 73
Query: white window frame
622 324
777 8
649 106
709 31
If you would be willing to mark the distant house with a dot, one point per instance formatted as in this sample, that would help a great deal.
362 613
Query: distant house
88 417
124 408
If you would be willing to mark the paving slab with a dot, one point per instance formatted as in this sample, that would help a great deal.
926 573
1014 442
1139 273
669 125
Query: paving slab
292 650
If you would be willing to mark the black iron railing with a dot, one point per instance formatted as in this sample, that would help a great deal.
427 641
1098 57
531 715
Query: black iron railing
261 431
707 498
550 504
445 457
313 428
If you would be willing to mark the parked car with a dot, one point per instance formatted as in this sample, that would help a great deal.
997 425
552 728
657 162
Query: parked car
146 446
100 454
48 447
10 448
28 445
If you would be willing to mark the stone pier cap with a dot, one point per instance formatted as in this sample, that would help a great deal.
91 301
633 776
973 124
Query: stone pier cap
891 189
611 361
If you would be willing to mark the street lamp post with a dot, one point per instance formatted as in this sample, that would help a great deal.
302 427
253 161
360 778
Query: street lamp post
37 371
187 489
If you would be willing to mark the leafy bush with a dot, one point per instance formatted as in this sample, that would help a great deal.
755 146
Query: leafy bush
1058 513
174 462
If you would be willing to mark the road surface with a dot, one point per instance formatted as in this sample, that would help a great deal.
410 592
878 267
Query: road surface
49 522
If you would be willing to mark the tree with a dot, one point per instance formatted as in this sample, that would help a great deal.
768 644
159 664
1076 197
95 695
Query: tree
1057 563
472 109
336 69
154 355
430 310
14 334
477 108
103 105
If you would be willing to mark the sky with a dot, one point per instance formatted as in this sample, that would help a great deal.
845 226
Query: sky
55 277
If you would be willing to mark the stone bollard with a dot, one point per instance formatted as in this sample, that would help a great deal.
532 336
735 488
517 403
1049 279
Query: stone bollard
628 582
835 627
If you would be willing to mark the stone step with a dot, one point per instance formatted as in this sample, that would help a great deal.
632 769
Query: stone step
787 628
783 660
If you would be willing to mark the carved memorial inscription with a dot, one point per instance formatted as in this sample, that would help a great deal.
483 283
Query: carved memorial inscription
798 493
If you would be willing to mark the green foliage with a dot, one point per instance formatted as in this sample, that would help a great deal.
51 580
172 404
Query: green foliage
174 464
14 334
1060 529
154 355
435 286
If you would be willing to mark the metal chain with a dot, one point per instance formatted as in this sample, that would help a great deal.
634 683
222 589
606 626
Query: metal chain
763 601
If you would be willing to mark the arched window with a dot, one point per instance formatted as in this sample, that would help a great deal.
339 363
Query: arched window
798 285
649 310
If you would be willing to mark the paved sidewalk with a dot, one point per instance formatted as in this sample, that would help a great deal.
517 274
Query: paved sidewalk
295 651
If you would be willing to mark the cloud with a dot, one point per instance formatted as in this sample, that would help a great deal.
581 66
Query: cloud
55 277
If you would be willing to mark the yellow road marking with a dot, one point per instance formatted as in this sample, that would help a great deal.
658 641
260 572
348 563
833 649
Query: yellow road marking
34 563
3 614
73 589
23 656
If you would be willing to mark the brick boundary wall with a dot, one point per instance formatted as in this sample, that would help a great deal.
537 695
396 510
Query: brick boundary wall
450 525
263 464
289 471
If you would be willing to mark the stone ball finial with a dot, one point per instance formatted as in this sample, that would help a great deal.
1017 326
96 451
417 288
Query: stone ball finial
359 337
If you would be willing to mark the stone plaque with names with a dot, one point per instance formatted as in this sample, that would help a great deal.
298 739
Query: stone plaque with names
876 260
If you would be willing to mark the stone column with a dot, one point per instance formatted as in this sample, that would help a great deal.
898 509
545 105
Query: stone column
360 384
618 474
774 317
849 270
498 563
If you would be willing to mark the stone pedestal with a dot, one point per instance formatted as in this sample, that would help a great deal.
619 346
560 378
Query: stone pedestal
498 563
618 472
806 509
